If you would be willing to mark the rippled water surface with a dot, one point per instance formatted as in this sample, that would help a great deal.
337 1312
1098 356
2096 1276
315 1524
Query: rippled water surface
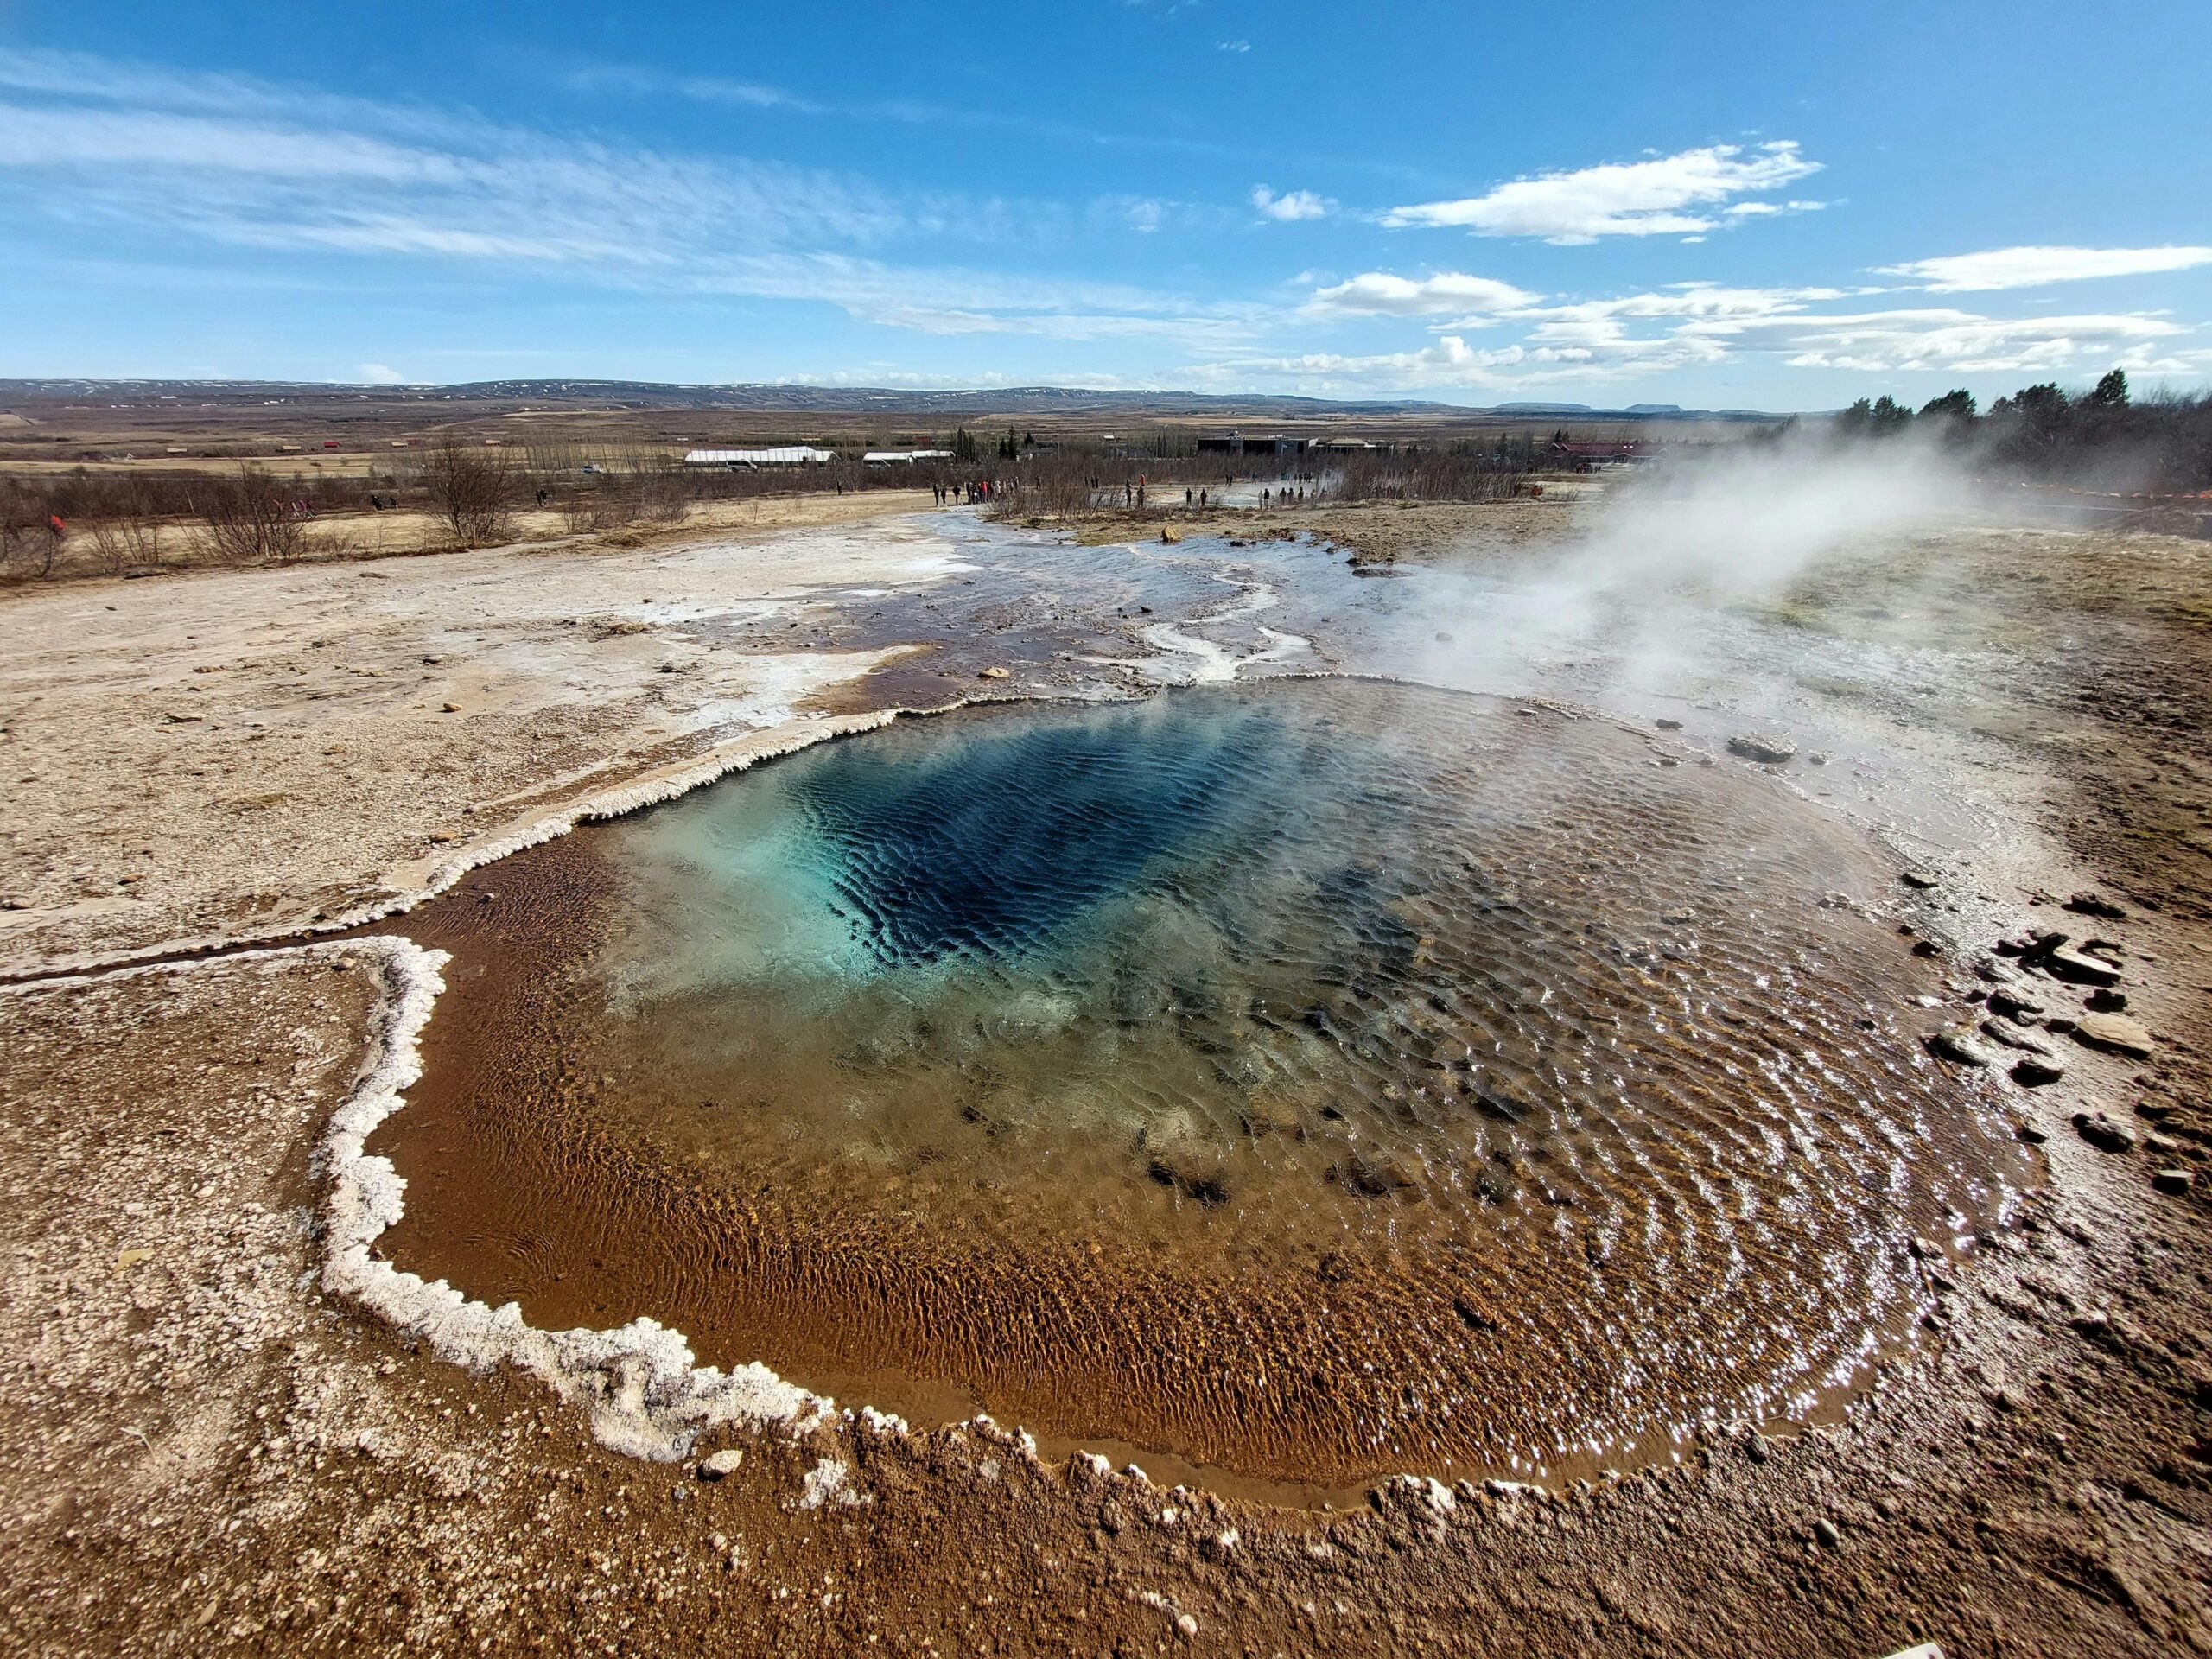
1315 1077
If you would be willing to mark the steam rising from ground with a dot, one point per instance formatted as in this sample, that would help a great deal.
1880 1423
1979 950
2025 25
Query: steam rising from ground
1669 554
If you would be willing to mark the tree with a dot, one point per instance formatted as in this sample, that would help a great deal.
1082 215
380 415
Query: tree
964 446
473 490
2111 392
1888 417
248 519
1953 407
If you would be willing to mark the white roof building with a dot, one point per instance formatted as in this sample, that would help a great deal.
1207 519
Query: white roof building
791 455
885 457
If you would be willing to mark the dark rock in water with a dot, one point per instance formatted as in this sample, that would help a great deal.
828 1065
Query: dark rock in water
1374 1178
1957 1045
1666 724
2034 1071
2030 1133
2115 1033
1917 878
2105 1134
2078 967
1768 752
1206 1186
2106 1002
2020 1009
2093 904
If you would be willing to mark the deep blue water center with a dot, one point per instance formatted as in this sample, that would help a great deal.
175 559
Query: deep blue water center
995 844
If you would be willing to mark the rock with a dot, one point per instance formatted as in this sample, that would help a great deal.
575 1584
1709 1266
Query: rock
2020 1010
2093 904
2012 1036
1996 970
449 708
1186 1627
2115 1033
1768 752
1825 1531
2034 1071
2107 1001
1169 533
723 1465
2029 1133
180 717
1816 759
1957 1045
1666 724
2077 967
2161 1146
2105 1134
1919 879
2173 1182
994 673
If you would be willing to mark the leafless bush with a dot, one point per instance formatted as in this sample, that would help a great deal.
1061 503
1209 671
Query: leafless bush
250 520
126 543
473 491
1460 474
27 544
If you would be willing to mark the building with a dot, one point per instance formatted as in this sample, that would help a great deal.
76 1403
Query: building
1236 443
790 455
903 457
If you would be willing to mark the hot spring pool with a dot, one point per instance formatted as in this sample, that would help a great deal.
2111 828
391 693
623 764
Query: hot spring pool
1311 1079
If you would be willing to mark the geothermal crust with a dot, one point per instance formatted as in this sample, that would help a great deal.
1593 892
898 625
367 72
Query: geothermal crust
200 1442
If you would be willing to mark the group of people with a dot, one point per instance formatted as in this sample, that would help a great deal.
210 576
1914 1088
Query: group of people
948 495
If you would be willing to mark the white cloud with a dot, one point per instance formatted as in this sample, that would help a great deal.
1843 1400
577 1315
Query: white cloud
1377 294
1999 267
1965 342
1667 195
1291 204
1233 46
380 374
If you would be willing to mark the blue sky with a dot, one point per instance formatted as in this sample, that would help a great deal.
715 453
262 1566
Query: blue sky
1778 206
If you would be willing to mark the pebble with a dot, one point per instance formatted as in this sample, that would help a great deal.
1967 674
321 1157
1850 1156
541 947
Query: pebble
2078 967
2115 1032
994 673
2105 1134
722 1464
1957 1044
1825 1531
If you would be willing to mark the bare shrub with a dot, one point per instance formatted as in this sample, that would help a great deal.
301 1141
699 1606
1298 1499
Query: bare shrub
473 491
27 544
126 543
249 519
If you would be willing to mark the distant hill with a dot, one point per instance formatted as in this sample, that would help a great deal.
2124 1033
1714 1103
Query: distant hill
1017 402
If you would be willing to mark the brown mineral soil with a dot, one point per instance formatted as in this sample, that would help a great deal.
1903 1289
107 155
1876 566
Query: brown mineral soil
199 1450
1378 533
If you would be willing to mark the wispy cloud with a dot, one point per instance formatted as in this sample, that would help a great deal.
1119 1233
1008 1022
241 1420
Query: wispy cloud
380 374
2002 268
1666 195
1291 205
153 156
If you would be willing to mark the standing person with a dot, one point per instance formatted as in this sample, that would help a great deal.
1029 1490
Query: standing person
1202 500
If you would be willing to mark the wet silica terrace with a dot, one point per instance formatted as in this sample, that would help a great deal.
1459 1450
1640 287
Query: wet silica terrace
1305 1080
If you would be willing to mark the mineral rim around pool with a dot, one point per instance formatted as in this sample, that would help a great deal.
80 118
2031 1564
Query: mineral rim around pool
1310 1080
